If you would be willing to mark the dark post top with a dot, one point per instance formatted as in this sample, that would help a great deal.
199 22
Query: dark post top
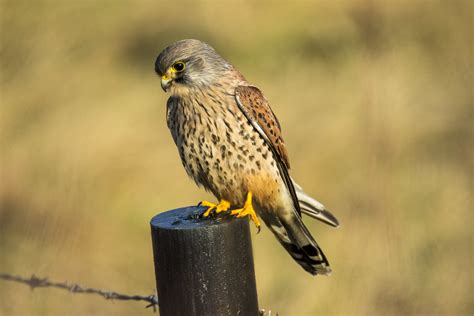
203 266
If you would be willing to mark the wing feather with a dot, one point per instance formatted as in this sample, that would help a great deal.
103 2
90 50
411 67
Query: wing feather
257 110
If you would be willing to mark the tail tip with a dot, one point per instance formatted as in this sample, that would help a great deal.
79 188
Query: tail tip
332 220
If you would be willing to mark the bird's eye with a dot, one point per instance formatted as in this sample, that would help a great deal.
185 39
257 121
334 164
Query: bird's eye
178 66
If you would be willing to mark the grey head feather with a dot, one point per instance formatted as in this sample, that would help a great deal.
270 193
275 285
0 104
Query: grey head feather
203 64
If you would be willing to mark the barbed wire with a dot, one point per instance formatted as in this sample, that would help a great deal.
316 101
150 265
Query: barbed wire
35 282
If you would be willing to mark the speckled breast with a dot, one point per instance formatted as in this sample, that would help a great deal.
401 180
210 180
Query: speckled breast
220 149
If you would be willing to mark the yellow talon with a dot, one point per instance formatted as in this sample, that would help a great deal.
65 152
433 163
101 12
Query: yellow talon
221 207
210 207
248 210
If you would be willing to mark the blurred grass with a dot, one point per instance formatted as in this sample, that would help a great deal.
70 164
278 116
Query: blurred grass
375 100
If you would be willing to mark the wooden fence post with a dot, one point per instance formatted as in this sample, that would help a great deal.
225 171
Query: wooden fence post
203 266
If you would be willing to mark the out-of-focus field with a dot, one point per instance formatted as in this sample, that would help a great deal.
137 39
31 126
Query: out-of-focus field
376 103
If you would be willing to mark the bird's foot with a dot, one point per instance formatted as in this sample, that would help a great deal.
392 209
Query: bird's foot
248 210
222 206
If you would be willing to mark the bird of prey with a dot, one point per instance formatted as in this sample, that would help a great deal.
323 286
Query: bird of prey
230 143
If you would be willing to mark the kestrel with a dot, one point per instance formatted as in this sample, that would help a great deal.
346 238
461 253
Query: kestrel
230 143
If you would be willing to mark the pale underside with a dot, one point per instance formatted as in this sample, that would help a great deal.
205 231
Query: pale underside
223 152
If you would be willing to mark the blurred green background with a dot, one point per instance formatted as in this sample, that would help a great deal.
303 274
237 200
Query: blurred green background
376 103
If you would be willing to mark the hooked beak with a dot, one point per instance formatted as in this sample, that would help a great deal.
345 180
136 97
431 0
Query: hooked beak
165 82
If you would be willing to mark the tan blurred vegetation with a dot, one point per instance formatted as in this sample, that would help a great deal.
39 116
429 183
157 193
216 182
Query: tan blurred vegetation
375 99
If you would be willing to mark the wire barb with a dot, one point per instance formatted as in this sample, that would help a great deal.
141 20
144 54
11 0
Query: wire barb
35 282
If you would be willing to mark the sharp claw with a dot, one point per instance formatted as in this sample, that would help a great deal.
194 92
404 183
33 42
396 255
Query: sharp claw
257 223
206 203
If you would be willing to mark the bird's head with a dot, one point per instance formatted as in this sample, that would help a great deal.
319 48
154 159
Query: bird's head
188 64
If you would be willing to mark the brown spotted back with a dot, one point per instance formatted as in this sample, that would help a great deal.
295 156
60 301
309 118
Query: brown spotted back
256 107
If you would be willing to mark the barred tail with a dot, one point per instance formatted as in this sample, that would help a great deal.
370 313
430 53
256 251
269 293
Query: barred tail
296 239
